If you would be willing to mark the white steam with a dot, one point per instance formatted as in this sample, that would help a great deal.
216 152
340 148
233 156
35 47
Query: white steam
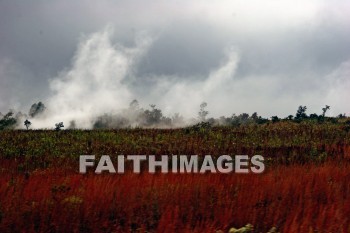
97 83
100 80
94 84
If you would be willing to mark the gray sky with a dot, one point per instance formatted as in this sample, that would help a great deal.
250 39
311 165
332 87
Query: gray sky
267 56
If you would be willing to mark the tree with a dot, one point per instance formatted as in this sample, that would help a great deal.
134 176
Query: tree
59 126
301 113
314 116
8 121
254 116
290 117
202 114
244 117
324 110
275 119
262 120
36 109
27 123
153 116
109 121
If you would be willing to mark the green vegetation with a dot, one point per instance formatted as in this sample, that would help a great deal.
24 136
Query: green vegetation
279 143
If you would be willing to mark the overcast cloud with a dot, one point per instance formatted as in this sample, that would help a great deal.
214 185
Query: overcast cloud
87 57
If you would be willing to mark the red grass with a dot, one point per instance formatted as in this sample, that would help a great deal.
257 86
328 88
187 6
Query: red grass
293 198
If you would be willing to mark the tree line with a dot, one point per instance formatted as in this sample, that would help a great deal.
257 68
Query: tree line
136 116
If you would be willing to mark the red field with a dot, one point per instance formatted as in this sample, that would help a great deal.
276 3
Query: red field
295 199
39 195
